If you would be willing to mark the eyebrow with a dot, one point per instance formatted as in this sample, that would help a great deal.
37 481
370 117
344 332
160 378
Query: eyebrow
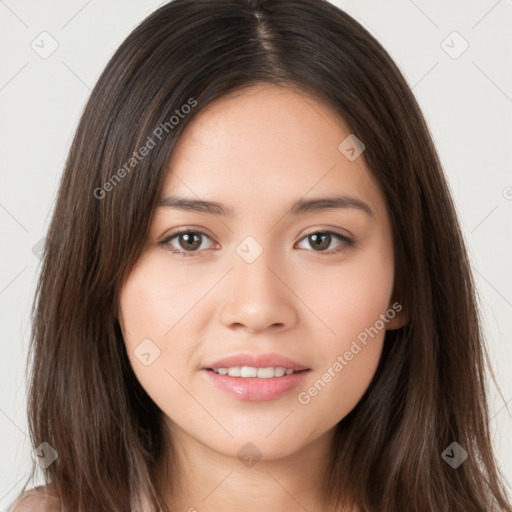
298 207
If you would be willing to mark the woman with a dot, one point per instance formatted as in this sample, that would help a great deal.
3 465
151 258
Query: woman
255 293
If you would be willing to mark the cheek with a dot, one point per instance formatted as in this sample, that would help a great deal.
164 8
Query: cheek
153 308
351 296
153 300
152 303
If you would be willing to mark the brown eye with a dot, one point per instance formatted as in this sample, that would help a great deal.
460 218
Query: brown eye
187 241
321 240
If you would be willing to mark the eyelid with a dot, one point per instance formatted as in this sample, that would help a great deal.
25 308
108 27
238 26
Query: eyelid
185 229
345 233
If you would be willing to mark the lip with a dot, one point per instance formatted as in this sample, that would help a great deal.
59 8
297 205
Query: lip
256 360
253 388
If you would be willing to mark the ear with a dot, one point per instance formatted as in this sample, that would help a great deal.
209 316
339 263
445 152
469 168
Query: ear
397 315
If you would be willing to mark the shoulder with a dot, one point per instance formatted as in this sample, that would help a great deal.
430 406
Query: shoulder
40 499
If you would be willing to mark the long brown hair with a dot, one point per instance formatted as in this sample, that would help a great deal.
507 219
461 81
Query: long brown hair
429 390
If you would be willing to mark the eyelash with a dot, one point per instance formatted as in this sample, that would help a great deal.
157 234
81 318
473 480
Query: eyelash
164 244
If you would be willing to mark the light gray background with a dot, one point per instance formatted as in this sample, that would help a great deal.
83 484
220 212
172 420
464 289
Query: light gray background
467 102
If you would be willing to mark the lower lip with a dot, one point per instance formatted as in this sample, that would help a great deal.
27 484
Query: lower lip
255 389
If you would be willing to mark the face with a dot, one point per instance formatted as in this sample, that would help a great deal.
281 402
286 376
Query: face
312 286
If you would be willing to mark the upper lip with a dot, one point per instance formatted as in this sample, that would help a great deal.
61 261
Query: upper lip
256 361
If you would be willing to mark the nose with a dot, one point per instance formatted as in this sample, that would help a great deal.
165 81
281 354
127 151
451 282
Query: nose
257 296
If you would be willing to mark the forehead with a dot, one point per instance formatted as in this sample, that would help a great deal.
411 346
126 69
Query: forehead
266 143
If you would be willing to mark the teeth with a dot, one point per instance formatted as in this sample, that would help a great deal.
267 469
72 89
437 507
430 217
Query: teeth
251 371
234 371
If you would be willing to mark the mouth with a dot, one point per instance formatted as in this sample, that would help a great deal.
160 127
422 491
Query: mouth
255 377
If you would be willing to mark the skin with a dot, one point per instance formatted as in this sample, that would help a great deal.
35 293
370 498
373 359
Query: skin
256 152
